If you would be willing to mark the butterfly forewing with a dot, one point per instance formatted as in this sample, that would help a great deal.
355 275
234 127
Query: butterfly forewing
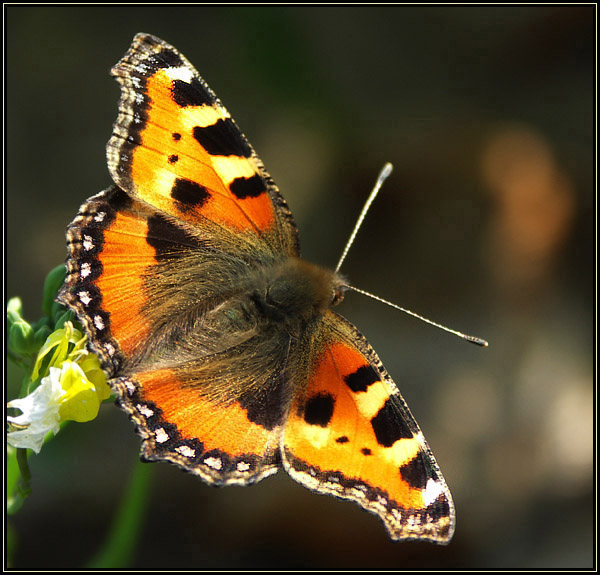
176 146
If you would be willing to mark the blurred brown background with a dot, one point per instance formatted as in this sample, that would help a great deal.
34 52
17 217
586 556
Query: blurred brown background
486 225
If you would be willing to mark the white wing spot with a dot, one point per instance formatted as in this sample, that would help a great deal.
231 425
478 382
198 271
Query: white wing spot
85 270
130 387
213 462
98 322
99 217
243 466
145 410
186 451
84 297
88 243
180 73
110 349
432 491
161 435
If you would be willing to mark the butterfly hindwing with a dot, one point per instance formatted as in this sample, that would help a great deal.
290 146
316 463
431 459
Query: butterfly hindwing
213 439
350 434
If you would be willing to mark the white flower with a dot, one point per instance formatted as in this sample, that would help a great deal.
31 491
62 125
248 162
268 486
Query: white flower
39 413
72 390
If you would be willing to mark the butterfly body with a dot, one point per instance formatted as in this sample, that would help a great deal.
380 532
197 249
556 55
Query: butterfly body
220 341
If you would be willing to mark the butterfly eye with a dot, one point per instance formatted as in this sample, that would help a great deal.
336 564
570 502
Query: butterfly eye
337 295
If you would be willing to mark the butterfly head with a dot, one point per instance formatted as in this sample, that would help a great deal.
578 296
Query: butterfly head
295 291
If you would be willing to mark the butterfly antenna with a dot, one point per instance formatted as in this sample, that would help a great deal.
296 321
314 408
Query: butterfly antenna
385 172
383 175
471 338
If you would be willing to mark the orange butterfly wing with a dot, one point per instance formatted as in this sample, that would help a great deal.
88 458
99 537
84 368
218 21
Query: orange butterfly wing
176 147
350 434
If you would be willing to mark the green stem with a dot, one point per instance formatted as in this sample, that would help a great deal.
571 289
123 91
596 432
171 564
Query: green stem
119 548
18 480
24 485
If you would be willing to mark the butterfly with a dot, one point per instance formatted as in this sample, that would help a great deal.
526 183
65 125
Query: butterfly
219 340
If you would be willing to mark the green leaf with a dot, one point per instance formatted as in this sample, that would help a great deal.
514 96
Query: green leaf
41 334
14 311
21 338
54 281
63 315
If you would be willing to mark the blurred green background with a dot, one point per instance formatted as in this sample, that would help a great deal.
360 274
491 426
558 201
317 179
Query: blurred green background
486 225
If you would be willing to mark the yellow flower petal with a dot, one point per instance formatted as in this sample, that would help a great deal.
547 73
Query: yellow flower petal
93 371
81 402
59 341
